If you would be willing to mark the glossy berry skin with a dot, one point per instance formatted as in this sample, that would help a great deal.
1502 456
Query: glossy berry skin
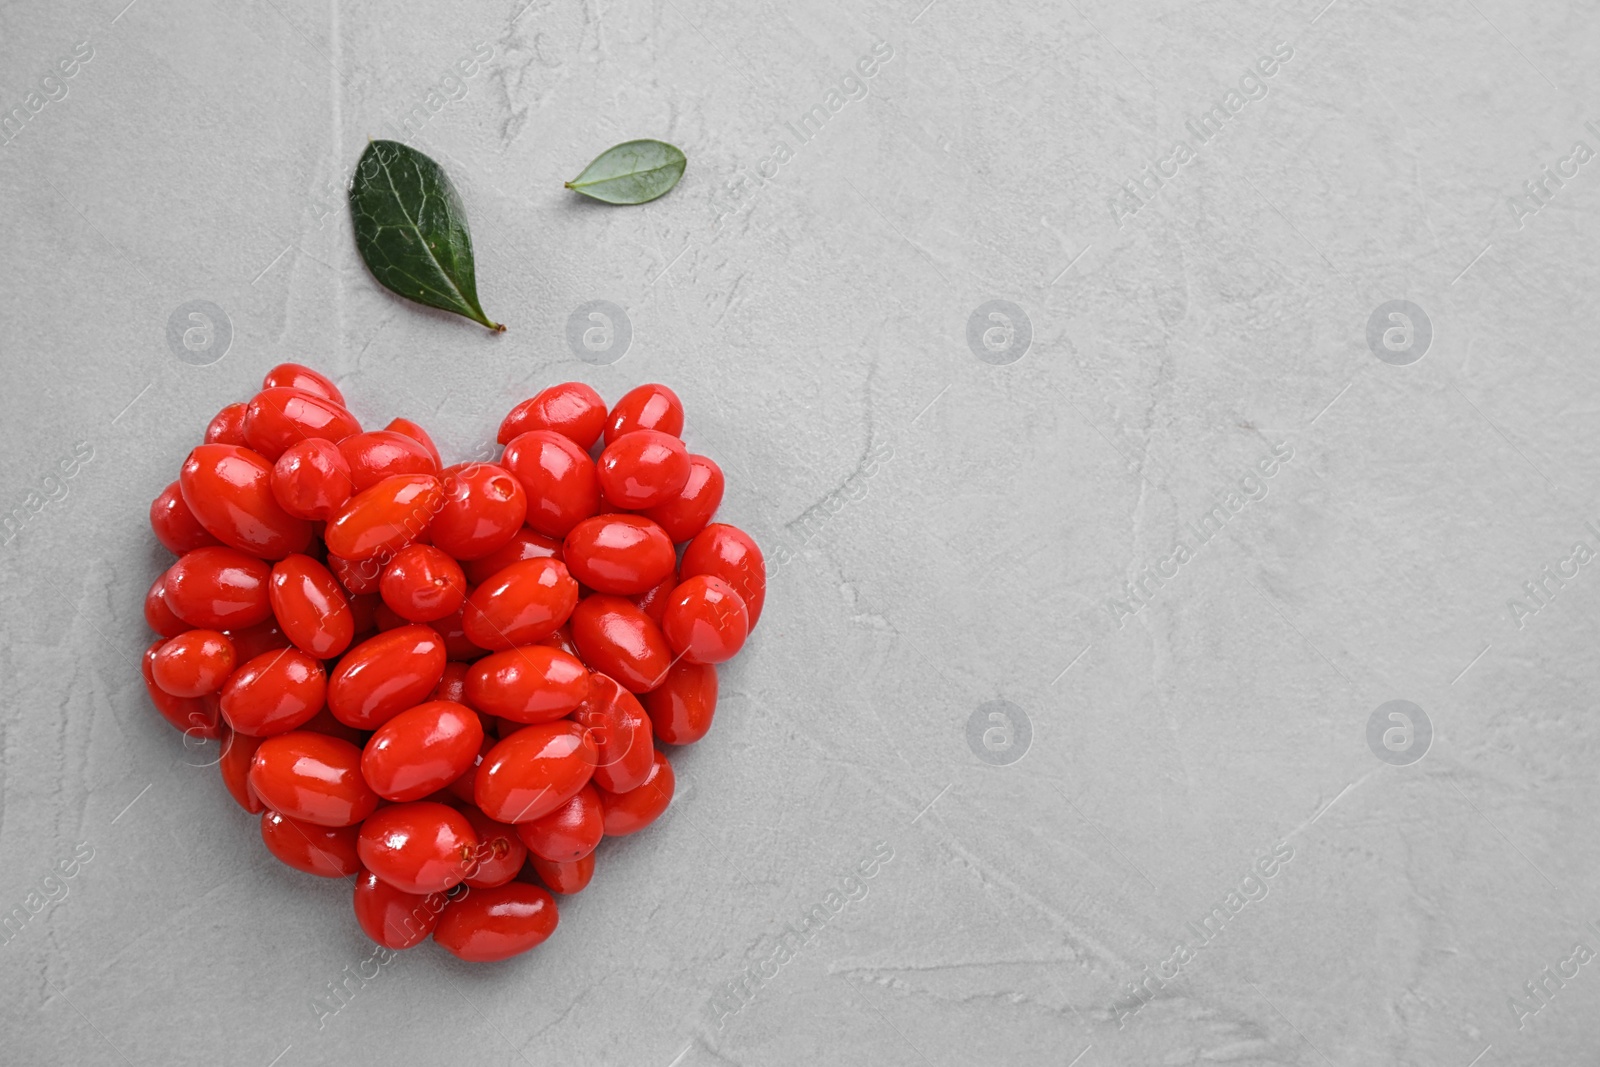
384 518
649 407
193 663
620 554
418 434
274 693
311 609
323 722
422 584
487 925
729 553
313 778
379 454
570 832
653 601
457 645
688 511
534 771
535 683
630 812
277 418
452 684
681 707
251 641
187 715
238 751
311 480
621 731
558 477
483 508
175 525
571 409
520 605
462 788
218 589
358 577
227 427
422 750
565 878
705 620
326 851
615 637
392 917
229 490
562 639
422 847
384 675
526 543
642 469
158 615
500 851
298 376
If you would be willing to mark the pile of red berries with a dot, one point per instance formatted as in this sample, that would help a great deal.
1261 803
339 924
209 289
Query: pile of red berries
447 682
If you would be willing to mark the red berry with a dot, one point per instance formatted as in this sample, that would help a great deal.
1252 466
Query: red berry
380 454
570 832
193 663
630 812
558 477
229 490
615 637
274 693
329 851
705 620
643 469
571 409
312 480
279 417
303 378
526 543
520 605
620 554
685 514
422 847
422 584
175 525
422 750
392 917
729 553
384 675
313 778
649 407
534 771
621 731
218 588
381 520
681 707
486 925
565 878
482 510
312 610
535 683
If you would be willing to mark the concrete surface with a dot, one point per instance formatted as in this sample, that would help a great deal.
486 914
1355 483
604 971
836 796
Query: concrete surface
968 386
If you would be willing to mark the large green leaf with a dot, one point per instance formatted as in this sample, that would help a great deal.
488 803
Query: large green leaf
631 173
412 230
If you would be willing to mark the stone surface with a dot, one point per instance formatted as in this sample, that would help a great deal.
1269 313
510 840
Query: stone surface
1052 782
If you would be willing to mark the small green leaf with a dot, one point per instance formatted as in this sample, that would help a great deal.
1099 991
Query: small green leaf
631 173
411 229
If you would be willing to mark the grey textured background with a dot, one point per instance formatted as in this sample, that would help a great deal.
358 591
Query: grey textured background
945 532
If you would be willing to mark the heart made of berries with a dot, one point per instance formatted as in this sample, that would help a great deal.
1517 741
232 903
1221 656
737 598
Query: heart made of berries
447 683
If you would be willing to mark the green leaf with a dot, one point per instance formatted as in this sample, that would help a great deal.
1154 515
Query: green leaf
411 229
631 173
